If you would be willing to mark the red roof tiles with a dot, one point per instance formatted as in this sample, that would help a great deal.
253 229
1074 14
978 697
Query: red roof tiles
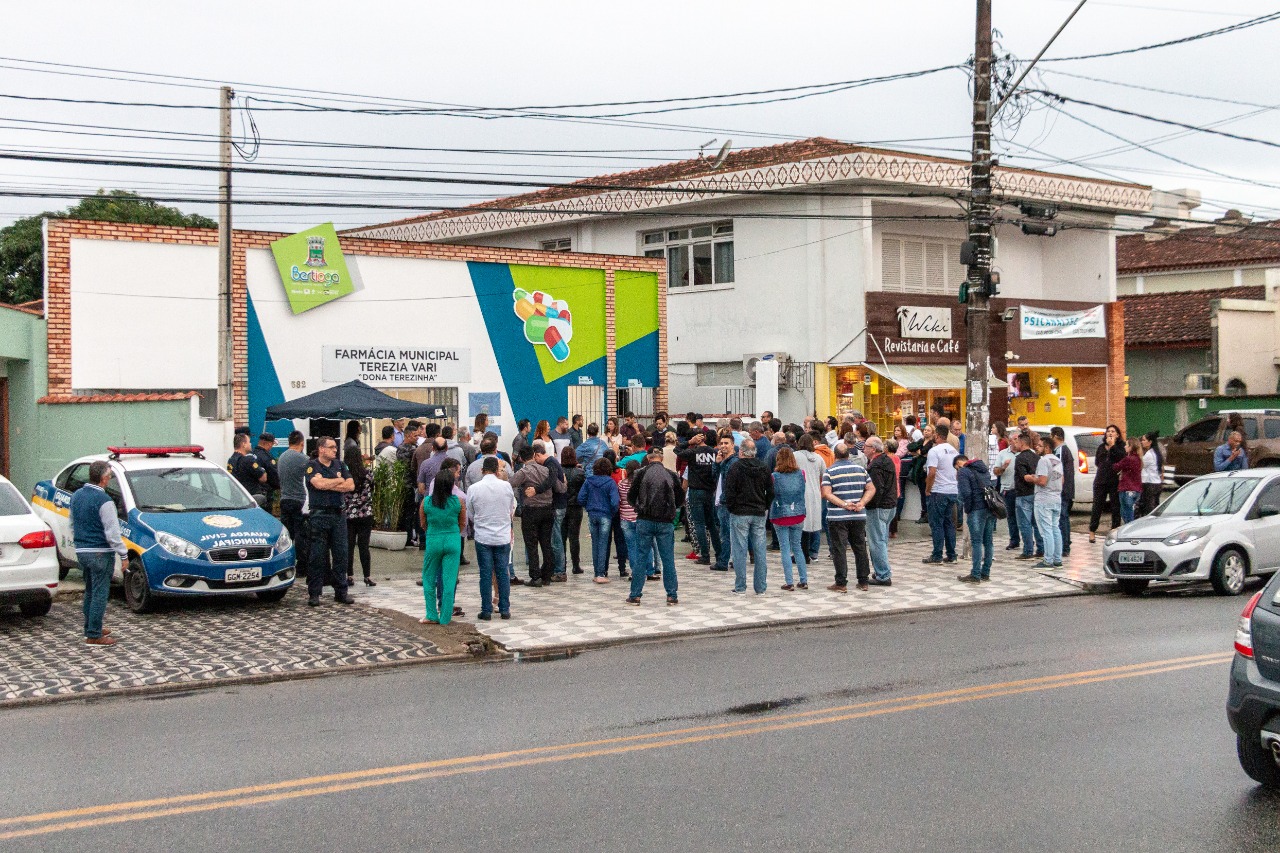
57 399
1180 318
1199 248
35 307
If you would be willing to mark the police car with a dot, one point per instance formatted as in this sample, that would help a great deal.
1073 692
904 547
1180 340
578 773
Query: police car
189 527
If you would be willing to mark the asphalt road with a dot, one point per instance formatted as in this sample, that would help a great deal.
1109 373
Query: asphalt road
1091 723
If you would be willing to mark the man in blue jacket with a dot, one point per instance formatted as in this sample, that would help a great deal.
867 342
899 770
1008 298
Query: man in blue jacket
591 449
95 527
972 477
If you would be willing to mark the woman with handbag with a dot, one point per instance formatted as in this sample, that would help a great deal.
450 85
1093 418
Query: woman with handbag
358 509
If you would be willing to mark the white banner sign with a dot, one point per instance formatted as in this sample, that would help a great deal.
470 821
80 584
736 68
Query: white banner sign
386 365
915 321
1043 323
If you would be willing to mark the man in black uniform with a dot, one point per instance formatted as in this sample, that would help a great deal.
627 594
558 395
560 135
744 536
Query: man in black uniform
244 466
262 453
327 481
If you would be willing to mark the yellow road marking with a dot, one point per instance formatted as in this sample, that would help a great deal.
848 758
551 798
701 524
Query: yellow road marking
376 777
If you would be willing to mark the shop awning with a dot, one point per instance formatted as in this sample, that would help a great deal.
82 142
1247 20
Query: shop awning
353 399
927 377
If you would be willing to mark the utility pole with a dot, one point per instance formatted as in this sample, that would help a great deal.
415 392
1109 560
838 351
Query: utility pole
981 212
226 353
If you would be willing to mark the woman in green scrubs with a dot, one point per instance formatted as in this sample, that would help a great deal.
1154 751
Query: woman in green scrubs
443 518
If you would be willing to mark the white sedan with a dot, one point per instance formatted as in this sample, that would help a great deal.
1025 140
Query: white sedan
1220 527
28 555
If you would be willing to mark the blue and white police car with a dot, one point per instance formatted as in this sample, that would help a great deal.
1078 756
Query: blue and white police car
189 527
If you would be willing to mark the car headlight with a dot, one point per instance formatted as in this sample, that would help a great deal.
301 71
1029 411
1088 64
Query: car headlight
1185 536
1112 538
178 546
283 543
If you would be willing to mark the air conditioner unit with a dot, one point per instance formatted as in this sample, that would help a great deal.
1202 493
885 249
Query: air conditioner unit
749 366
1198 383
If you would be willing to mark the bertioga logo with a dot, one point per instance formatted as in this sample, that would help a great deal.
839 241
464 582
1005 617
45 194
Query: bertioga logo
318 276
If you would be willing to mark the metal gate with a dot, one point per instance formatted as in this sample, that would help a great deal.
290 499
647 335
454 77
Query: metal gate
588 401
638 401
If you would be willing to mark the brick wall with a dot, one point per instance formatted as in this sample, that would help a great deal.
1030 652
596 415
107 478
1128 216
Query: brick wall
58 266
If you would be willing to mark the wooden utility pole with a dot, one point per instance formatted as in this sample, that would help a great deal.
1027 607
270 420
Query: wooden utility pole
226 352
981 212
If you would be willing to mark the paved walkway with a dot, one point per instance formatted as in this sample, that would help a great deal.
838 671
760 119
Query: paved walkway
580 613
194 643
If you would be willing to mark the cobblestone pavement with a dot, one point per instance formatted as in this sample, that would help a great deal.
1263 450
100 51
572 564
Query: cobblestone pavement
581 613
193 642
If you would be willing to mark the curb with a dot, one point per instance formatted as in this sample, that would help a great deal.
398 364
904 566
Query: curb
551 653
234 680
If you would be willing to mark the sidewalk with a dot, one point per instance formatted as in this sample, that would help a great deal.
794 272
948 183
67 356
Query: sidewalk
206 642
582 614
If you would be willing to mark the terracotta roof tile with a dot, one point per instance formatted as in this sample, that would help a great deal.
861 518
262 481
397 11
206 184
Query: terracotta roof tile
57 399
35 307
1176 318
747 158
1199 248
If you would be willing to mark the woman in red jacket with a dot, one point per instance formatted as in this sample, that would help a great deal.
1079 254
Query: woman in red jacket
1129 469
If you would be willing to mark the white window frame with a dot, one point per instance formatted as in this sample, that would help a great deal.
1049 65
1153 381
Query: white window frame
657 244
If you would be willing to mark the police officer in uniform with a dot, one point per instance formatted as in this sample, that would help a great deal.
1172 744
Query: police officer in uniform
327 481
262 453
244 466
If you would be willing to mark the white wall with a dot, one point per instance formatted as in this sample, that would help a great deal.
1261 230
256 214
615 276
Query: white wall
143 315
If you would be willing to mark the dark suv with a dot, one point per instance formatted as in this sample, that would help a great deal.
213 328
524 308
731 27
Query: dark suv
1190 451
1253 703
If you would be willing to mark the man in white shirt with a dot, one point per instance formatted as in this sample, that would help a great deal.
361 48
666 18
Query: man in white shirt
491 504
943 496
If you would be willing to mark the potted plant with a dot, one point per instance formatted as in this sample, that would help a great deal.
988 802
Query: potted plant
388 500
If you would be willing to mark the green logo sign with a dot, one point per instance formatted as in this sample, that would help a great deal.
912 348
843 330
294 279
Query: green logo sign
312 268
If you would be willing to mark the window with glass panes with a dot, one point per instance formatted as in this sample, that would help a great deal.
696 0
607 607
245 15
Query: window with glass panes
700 254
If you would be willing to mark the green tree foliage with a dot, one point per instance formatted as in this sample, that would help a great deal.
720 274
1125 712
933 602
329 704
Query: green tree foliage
22 249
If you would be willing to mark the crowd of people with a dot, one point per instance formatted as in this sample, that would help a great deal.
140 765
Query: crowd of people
737 491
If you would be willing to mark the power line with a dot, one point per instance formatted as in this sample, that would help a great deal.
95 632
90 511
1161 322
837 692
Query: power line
1155 89
1197 128
1243 25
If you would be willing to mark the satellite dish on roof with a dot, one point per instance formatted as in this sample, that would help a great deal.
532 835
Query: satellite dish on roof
722 154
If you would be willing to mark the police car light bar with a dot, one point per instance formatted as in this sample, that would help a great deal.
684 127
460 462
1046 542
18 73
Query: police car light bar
154 452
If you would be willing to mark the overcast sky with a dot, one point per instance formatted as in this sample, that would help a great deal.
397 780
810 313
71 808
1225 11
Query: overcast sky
556 53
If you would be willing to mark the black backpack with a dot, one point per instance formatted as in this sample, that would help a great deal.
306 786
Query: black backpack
654 496
994 501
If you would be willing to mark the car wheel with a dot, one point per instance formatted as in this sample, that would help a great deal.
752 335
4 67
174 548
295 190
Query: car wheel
137 589
1132 586
36 607
1256 761
64 566
271 596
1229 572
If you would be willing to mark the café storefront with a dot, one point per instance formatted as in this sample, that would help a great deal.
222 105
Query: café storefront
1051 361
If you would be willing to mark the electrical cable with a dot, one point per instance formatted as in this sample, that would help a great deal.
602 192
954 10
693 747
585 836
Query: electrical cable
1197 128
1243 25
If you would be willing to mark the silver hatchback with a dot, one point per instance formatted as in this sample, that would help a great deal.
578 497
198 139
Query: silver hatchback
1220 527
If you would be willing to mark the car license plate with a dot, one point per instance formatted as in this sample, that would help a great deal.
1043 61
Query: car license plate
240 575
1131 557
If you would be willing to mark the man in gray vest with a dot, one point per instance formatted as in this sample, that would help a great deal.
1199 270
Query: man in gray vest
95 527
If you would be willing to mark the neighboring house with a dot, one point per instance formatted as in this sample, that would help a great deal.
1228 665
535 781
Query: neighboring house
1173 346
811 251
1231 252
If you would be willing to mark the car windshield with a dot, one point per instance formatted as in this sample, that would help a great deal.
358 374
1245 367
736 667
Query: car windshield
186 490
11 502
1210 496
